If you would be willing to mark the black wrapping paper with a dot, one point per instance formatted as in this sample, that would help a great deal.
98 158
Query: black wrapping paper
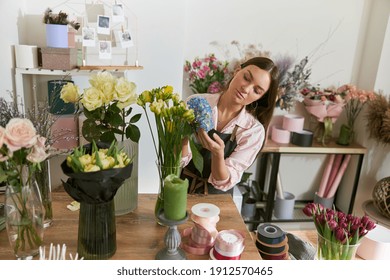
95 187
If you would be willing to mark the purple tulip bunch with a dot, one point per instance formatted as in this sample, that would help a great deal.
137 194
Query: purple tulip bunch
339 234
338 226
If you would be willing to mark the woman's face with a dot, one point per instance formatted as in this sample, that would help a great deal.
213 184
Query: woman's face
249 84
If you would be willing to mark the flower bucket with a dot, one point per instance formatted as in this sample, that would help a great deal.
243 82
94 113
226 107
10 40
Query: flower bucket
56 36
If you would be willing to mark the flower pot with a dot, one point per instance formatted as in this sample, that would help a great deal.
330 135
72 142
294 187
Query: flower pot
56 36
284 208
24 216
333 250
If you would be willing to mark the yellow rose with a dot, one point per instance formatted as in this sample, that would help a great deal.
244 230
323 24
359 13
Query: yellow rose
85 160
102 154
69 161
70 93
92 99
108 162
91 168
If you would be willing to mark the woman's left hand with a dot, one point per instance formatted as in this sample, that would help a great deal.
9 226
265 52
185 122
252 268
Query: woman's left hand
216 146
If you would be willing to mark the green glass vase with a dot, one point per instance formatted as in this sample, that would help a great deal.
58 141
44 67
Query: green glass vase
97 231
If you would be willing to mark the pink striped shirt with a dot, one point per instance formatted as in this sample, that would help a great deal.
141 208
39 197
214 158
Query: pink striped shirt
250 137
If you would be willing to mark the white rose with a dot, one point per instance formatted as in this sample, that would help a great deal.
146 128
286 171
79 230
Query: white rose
125 90
105 82
70 93
92 99
19 133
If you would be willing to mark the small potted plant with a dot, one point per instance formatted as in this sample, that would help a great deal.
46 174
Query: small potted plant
57 28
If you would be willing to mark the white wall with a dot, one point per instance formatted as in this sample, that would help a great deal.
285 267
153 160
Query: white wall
332 33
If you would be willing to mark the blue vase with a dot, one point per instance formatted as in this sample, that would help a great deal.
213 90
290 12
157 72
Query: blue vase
56 36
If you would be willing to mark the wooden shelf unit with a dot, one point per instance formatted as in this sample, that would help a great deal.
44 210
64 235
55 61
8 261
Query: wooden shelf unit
275 150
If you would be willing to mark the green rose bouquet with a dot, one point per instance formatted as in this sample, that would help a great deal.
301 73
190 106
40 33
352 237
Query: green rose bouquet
106 106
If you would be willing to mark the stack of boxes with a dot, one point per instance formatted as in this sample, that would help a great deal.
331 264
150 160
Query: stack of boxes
61 55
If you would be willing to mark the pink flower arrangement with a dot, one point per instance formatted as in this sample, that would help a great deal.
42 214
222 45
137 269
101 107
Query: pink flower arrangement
206 74
20 145
21 151
323 103
355 99
326 106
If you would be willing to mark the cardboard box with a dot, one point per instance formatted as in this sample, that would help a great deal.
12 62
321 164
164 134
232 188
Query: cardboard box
59 58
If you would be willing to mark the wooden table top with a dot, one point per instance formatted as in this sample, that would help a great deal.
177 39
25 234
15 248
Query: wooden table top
138 235
316 148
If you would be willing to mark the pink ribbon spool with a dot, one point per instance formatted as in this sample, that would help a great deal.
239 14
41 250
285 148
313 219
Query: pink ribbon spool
228 245
293 122
201 237
280 135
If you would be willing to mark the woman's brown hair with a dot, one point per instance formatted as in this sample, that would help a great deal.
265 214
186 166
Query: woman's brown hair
263 108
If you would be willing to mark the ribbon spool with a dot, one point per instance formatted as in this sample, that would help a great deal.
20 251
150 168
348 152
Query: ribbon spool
280 135
272 242
293 122
303 138
201 237
229 245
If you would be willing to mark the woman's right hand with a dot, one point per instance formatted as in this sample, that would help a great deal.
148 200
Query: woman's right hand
216 146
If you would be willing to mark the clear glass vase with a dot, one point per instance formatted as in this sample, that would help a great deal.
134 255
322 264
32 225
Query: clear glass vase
323 133
97 231
163 172
126 198
329 250
24 219
44 184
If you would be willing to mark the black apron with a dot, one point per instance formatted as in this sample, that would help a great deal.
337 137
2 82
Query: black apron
196 180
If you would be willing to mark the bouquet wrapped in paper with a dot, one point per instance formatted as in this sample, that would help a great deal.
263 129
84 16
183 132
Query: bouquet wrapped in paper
96 171
326 106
